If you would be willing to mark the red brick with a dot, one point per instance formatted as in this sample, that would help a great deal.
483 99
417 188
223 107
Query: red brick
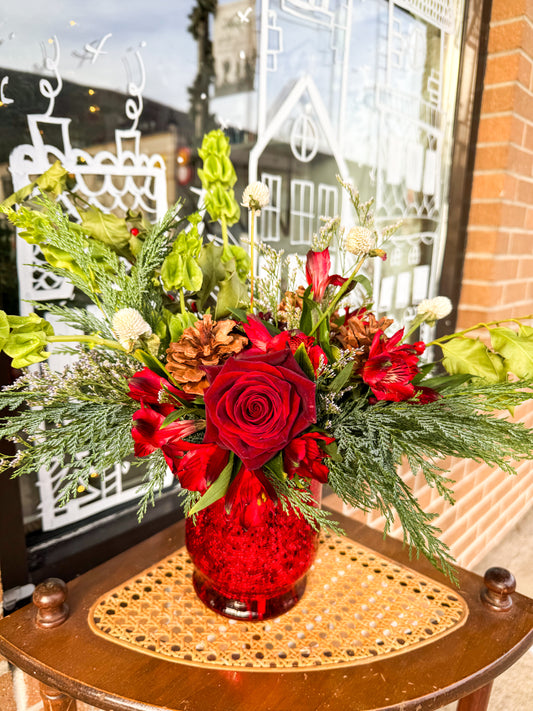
495 129
486 214
520 161
499 99
513 215
492 157
502 68
520 244
506 36
482 241
480 294
468 316
524 192
525 71
515 292
488 185
508 9
522 101
486 269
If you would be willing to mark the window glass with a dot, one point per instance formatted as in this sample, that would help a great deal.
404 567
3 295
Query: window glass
305 89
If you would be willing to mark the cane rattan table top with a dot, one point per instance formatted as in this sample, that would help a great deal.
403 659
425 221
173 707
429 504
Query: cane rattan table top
358 605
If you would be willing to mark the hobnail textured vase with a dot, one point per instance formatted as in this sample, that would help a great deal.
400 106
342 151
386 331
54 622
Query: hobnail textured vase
251 573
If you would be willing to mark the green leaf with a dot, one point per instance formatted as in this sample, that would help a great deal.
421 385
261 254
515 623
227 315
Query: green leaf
469 355
446 382
4 329
26 348
275 466
53 181
310 314
365 282
342 378
217 489
232 294
153 363
525 331
106 228
242 260
304 361
516 349
177 323
210 262
332 450
176 415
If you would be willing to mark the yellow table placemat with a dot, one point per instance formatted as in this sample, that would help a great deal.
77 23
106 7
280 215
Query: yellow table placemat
357 606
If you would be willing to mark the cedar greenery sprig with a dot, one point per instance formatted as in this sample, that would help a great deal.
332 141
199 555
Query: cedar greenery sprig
68 412
372 442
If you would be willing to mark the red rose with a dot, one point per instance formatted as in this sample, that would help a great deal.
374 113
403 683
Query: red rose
256 403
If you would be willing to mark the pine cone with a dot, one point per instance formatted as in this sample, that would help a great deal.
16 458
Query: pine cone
358 334
205 343
292 300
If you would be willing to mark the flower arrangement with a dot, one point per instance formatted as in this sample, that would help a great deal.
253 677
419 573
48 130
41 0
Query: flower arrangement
191 361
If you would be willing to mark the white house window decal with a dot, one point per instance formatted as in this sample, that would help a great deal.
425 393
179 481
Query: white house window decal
271 214
328 202
302 211
124 179
304 138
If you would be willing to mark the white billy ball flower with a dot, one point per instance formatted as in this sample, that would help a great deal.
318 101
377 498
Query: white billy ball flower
128 326
256 196
435 309
360 240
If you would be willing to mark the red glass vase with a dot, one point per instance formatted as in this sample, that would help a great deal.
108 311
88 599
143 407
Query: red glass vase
250 573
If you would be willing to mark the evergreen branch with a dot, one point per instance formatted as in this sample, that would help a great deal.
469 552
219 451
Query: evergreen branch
300 501
153 482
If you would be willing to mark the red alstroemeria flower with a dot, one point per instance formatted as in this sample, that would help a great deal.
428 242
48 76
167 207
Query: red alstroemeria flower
305 457
146 386
261 339
149 435
391 367
317 273
424 395
250 497
196 465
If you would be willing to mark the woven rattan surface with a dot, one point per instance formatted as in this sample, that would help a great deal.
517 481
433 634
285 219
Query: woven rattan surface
357 606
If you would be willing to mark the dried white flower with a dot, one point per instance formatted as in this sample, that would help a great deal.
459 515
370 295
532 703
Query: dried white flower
434 309
129 326
360 240
255 196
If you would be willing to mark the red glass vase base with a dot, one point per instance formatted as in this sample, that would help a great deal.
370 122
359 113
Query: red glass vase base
250 572
257 608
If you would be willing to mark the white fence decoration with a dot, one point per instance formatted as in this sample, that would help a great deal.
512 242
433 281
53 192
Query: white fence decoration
119 179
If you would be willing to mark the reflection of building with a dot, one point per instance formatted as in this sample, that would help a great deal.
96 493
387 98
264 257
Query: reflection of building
234 45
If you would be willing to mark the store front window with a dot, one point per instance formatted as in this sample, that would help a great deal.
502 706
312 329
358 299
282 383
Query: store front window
305 89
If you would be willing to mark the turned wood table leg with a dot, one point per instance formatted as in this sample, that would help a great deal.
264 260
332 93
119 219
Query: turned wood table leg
478 701
54 700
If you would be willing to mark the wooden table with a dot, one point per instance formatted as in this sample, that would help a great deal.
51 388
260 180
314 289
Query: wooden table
72 662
